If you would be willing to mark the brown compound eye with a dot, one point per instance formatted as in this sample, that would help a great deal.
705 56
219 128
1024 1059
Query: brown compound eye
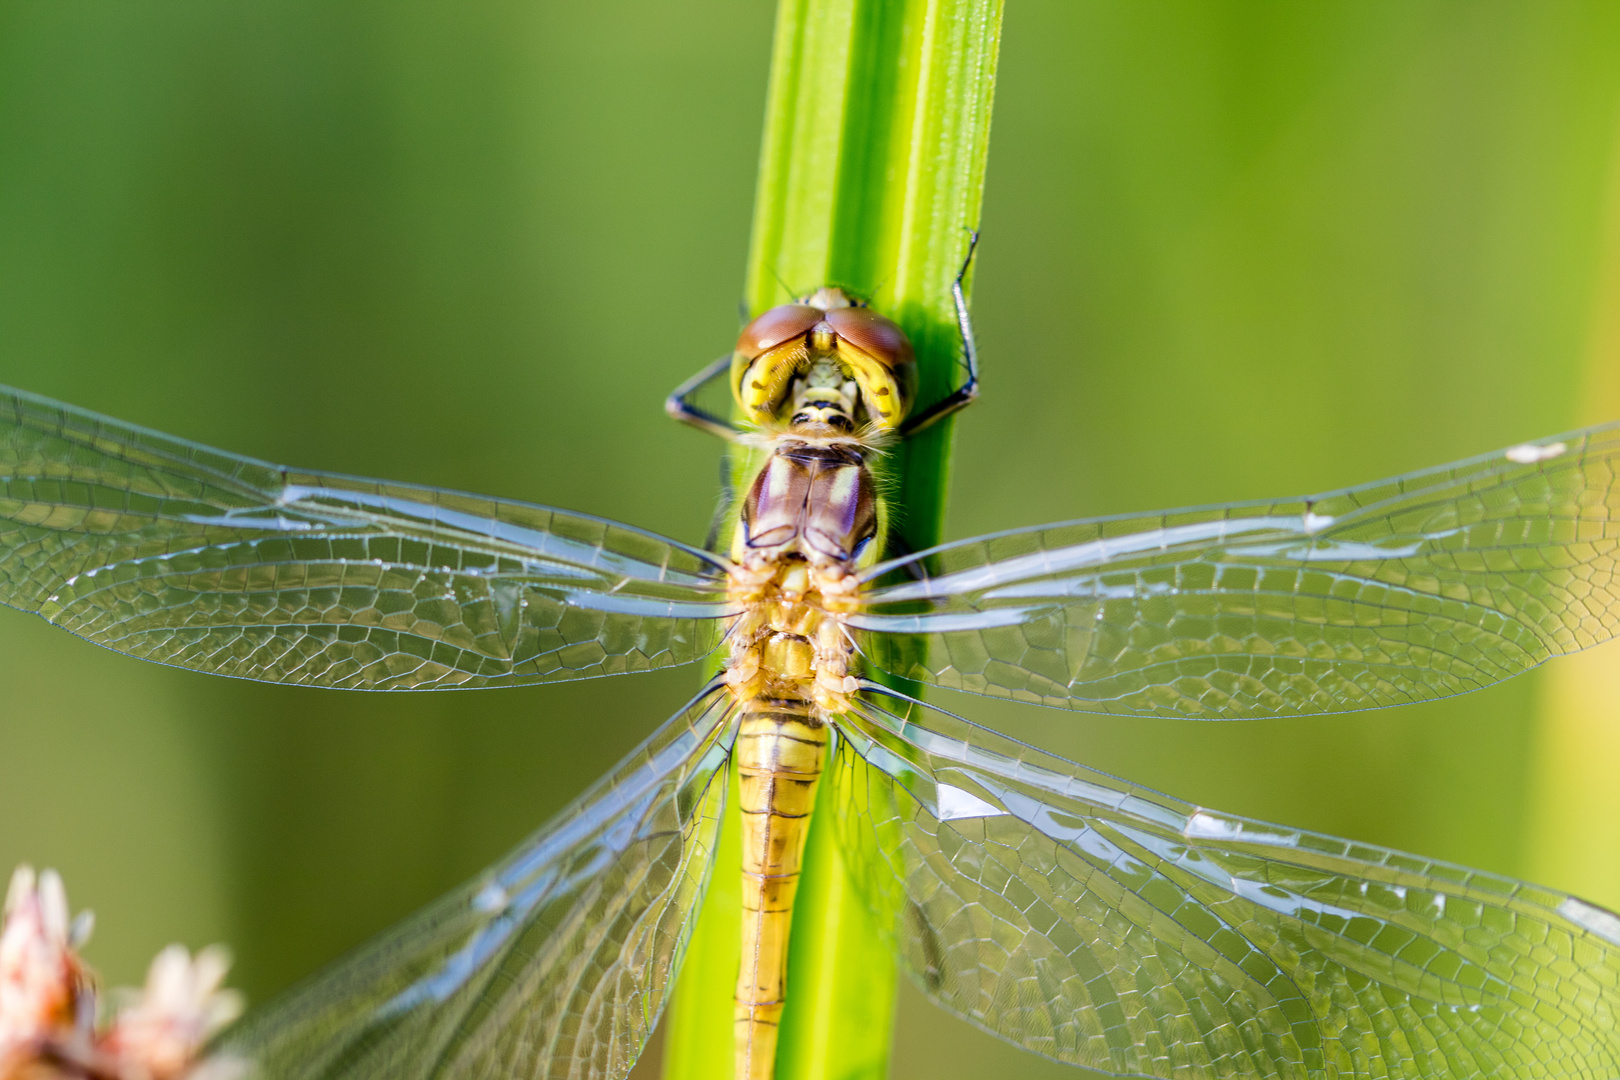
776 326
874 335
879 355
769 352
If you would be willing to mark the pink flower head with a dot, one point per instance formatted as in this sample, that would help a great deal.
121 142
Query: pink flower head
160 1035
44 987
48 1022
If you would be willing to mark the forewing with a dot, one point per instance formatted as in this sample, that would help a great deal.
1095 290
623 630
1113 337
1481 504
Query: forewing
1111 927
554 963
1404 590
184 555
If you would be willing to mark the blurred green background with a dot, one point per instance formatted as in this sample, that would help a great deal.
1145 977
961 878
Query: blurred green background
1232 250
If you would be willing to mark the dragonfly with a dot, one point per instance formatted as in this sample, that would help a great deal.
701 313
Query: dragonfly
1067 911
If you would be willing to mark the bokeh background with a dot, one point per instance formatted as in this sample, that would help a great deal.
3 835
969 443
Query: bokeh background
1232 250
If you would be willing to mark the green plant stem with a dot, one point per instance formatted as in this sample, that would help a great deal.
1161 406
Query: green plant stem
872 173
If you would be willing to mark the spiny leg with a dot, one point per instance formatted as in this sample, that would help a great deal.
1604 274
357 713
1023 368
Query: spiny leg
963 395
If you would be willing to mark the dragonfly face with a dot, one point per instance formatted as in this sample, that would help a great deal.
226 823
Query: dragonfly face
854 346
1060 908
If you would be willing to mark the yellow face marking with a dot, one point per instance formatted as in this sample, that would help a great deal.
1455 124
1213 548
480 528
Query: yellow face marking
879 385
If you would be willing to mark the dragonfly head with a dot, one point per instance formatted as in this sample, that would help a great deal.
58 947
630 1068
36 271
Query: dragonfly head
780 354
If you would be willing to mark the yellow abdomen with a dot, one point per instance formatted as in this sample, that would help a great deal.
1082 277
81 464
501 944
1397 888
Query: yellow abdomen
781 749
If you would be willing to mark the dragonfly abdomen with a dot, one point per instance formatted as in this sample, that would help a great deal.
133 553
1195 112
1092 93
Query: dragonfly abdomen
780 752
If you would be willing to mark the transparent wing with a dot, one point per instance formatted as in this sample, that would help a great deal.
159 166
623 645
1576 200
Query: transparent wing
184 555
553 964
1404 590
1107 926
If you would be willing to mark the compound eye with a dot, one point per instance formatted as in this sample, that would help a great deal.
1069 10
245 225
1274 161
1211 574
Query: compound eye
778 325
871 333
769 351
878 354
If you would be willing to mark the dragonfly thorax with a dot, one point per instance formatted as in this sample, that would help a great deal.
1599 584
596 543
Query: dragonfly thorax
809 520
813 502
791 642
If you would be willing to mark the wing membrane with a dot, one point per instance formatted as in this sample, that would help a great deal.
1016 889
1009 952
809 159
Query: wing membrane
1405 590
183 555
1111 927
553 964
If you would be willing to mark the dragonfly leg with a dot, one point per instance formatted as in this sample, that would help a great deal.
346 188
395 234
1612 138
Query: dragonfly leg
963 395
679 404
